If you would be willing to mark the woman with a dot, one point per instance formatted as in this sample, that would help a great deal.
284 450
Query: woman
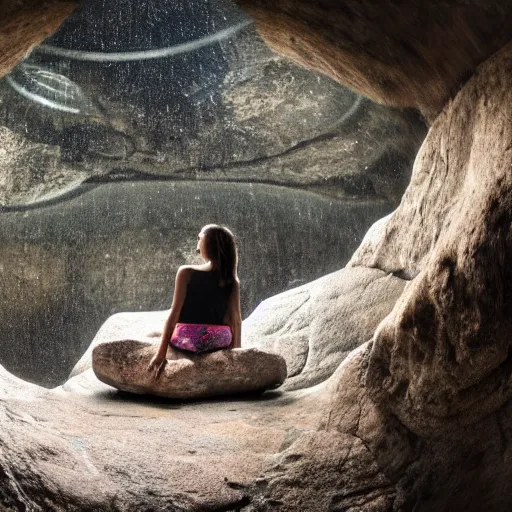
205 312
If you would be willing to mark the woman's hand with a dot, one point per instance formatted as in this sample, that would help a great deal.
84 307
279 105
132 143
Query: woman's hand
156 364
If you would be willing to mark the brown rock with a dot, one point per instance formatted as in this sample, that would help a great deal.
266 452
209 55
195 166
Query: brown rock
26 23
124 365
384 49
144 327
442 356
131 454
460 468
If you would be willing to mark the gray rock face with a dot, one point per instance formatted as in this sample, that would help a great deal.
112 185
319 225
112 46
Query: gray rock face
232 112
124 365
246 114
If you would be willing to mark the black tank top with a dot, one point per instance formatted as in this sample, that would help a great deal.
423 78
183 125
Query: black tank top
205 302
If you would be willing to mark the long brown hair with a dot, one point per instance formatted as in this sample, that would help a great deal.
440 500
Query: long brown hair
220 247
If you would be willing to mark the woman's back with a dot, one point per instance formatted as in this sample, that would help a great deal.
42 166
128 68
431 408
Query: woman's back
205 312
206 302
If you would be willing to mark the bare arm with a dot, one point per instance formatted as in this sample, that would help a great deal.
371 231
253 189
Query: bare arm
234 315
180 291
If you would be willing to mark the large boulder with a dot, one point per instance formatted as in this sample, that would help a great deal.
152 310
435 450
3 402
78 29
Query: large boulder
124 365
316 325
313 327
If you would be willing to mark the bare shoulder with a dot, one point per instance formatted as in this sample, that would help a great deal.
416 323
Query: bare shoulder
184 272
188 268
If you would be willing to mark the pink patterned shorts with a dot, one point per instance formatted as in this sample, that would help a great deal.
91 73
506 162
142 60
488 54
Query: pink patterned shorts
201 338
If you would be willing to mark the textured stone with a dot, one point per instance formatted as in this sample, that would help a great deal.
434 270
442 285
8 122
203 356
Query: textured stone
459 468
418 419
384 49
313 327
25 23
269 121
124 365
442 356
316 325
143 327
132 454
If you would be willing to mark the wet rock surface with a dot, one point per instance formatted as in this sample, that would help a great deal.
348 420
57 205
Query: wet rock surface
124 366
255 117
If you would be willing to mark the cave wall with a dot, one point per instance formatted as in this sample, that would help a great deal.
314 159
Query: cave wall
444 351
439 363
263 119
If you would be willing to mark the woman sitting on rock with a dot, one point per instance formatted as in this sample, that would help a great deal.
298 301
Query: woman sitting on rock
205 312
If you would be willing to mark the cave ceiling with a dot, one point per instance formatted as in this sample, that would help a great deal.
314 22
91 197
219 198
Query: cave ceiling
408 53
128 90
413 54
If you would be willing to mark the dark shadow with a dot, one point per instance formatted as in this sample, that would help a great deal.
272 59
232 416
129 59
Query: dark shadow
271 397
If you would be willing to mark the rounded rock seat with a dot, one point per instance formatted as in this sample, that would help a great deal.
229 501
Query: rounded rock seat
123 365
